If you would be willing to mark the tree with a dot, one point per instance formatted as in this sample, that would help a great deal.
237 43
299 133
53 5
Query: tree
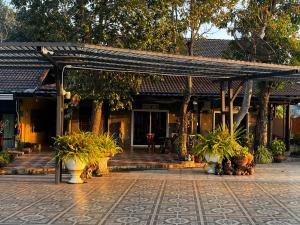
145 25
7 21
265 31
197 15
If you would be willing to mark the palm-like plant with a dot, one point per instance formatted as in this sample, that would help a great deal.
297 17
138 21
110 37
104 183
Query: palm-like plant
86 147
220 143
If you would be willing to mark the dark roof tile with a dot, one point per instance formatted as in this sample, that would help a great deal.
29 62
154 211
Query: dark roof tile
21 80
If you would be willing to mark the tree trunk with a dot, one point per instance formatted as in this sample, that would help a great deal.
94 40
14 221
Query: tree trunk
262 121
96 116
246 103
184 122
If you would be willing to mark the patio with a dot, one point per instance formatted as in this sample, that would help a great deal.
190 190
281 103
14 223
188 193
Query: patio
156 197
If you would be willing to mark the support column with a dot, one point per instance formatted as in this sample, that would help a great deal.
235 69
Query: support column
198 118
59 120
247 124
288 127
223 103
270 124
230 102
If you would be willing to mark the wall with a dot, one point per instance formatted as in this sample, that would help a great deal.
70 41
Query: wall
124 120
28 133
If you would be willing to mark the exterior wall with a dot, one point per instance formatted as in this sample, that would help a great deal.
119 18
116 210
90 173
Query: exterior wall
28 132
278 127
296 126
205 122
122 122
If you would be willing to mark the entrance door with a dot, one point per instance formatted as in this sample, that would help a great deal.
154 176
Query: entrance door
149 122
8 140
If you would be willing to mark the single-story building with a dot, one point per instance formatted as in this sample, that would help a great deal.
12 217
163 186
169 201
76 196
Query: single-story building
28 108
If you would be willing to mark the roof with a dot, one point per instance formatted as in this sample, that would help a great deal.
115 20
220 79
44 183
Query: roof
96 57
175 86
211 48
13 80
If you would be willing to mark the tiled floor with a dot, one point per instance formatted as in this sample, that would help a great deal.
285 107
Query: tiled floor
271 196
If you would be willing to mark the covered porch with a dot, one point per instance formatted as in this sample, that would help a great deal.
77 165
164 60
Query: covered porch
62 56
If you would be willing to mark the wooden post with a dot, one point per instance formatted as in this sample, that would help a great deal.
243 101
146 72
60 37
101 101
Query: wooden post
247 124
223 103
59 119
230 102
270 124
287 127
198 118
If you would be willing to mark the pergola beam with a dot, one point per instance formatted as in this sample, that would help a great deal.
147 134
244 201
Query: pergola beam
279 74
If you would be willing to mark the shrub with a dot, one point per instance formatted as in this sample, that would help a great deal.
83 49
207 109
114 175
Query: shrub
263 155
277 147
220 143
85 146
4 159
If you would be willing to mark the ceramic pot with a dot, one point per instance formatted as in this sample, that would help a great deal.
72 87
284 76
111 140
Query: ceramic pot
102 166
75 168
279 158
212 161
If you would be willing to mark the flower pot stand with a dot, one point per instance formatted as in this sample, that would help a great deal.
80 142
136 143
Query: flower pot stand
75 168
212 161
102 167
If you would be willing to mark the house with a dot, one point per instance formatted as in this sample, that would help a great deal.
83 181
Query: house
30 105
28 114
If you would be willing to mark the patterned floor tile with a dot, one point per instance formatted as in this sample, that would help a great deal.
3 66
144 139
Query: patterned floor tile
155 197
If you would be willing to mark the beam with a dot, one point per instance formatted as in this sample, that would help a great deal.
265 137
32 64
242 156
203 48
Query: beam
288 127
230 102
263 75
270 123
59 119
238 90
223 103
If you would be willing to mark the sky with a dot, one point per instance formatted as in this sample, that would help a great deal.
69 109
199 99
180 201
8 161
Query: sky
218 34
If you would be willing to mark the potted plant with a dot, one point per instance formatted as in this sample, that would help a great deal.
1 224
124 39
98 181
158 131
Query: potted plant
263 155
217 146
278 149
106 148
74 151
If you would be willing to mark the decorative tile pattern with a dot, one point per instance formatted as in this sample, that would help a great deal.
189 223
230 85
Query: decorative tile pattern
155 198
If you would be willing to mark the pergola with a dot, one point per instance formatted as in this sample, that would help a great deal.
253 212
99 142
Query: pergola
61 56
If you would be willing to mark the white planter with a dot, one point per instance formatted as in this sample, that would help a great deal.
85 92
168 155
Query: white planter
75 168
102 166
212 160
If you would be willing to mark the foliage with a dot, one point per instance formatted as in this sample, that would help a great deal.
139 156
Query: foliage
265 31
107 146
263 155
85 146
220 143
116 88
277 147
279 111
199 16
4 158
7 21
77 145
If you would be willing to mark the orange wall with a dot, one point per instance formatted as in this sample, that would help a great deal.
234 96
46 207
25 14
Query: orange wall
27 135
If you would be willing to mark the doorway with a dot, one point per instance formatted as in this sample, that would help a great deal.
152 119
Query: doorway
144 122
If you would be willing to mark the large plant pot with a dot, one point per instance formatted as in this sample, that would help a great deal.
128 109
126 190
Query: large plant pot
212 161
279 158
102 166
75 168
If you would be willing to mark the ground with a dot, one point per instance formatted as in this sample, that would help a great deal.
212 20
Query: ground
186 196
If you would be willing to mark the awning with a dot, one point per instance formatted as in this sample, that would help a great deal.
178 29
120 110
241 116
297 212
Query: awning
95 57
